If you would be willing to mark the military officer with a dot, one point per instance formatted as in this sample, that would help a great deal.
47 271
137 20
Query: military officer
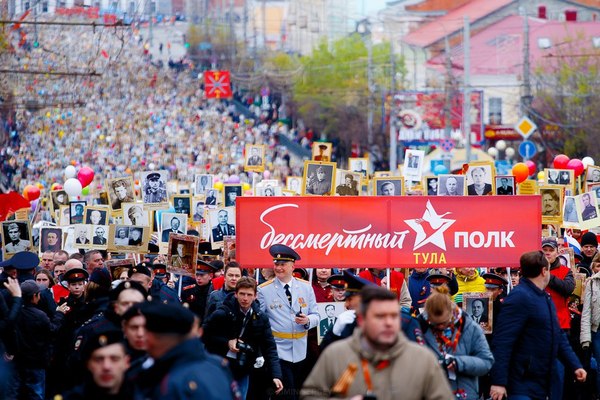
318 185
154 192
291 307
195 294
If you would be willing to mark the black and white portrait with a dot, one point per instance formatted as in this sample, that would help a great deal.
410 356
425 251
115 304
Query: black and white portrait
172 223
231 193
202 183
387 186
254 155
268 190
100 236
135 214
198 210
564 177
182 204
16 237
294 184
347 183
570 216
431 183
59 198
505 185
77 211
83 236
212 197
120 191
479 179
318 178
154 188
50 239
551 202
413 164
451 185
479 308
222 223
359 164
587 206
96 216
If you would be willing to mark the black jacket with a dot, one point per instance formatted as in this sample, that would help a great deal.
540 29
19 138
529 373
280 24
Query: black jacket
226 324
36 333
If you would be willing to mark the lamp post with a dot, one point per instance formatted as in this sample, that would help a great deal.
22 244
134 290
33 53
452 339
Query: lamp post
363 28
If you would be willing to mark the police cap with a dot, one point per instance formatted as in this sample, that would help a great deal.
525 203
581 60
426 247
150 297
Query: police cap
22 260
281 252
76 275
493 281
202 267
355 283
167 318
141 268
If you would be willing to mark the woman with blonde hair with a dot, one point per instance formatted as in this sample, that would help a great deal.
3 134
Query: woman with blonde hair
458 342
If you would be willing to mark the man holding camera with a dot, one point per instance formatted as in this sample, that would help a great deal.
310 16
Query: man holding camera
240 331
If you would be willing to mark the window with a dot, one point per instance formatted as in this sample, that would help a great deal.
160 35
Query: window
495 111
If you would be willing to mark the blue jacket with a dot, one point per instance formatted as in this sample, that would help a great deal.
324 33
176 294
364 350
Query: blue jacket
527 340
419 288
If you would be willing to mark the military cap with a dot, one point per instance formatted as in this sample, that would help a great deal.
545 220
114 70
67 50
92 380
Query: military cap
29 288
217 264
202 267
75 275
337 281
100 339
281 252
22 260
323 146
125 285
167 318
300 273
101 276
355 283
141 268
436 280
153 176
160 270
493 281
205 250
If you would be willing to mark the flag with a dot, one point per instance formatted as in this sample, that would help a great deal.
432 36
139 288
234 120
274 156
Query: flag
10 203
574 244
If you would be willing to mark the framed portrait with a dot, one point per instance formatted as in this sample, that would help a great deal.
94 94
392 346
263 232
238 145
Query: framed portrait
387 186
221 223
587 209
182 204
268 191
100 234
202 182
120 191
551 204
451 185
570 215
119 267
594 188
567 257
16 237
321 151
172 186
64 215
430 185
130 238
347 183
96 215
505 185
230 194
51 239
561 177
411 188
318 178
480 308
254 159
135 214
413 164
294 184
213 198
228 248
592 176
77 211
59 198
328 313
172 223
360 165
101 199
480 179
83 236
198 208
154 190
182 253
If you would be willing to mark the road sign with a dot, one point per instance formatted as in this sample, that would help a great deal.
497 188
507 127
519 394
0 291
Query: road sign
527 149
525 127
447 145
217 84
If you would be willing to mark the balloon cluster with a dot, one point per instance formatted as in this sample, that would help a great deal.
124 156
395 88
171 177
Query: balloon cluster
77 182
523 170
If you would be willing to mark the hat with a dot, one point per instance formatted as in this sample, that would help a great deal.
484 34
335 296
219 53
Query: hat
589 238
167 318
160 270
300 273
493 281
125 285
217 264
75 275
100 339
281 252
29 288
355 283
101 276
205 250
202 267
323 146
141 268
22 260
436 280
153 176
550 241
337 281
153 247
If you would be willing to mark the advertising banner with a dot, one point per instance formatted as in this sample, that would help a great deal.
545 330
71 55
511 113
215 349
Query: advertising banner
420 231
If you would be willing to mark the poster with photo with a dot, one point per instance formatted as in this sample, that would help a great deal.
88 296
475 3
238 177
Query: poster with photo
480 308
16 237
182 254
154 190
328 313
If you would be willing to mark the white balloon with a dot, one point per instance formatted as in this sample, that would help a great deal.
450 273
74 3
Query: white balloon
501 145
493 152
73 187
70 172
510 152
587 161
151 166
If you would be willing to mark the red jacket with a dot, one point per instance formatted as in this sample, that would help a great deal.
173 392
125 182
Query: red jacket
396 280
560 288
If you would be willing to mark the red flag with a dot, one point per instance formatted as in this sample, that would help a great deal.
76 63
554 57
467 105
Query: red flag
10 203
22 18
104 53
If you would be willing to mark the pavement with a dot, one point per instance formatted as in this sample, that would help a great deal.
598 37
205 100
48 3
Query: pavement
166 33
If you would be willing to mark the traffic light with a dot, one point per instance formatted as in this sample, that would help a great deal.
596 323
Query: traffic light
36 44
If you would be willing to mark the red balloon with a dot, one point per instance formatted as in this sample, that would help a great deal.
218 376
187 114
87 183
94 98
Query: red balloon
576 165
560 161
531 165
31 192
520 171
85 176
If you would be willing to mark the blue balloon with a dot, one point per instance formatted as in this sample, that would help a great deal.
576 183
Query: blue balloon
440 169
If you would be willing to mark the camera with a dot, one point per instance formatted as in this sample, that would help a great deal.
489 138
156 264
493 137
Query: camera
245 351
446 362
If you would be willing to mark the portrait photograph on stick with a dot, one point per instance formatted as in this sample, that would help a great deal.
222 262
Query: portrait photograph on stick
479 307
182 254
16 237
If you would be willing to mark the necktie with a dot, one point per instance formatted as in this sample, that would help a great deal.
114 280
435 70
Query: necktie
288 293
225 231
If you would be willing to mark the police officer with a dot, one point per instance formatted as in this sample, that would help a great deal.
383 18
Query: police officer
154 192
291 307
195 294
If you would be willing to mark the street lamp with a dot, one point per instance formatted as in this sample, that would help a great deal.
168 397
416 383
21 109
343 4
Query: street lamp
363 28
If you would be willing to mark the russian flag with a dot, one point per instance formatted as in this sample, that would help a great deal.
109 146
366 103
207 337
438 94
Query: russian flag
574 244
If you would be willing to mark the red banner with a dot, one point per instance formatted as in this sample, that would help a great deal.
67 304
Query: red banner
330 232
217 85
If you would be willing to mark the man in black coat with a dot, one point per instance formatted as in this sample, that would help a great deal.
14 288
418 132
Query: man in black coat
239 331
